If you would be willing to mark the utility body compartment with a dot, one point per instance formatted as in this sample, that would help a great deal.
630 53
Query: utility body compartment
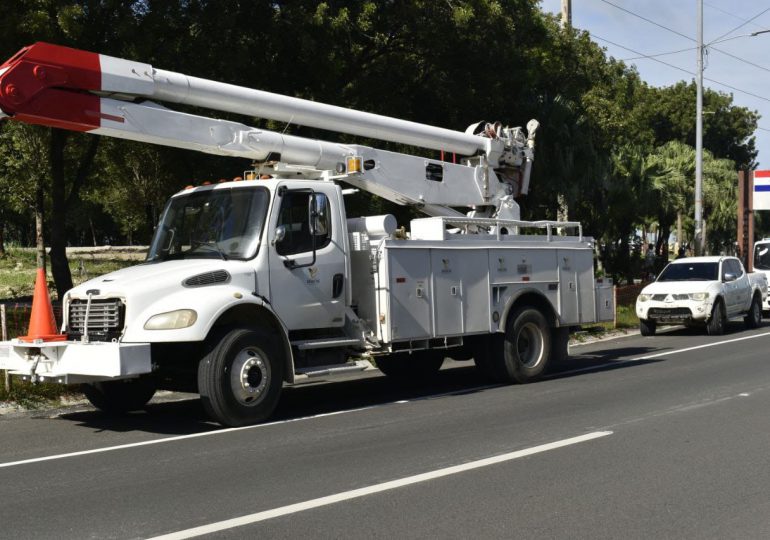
443 285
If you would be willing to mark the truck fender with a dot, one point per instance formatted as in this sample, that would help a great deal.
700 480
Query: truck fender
259 313
530 297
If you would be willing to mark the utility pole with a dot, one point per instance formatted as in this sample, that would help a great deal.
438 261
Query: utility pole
699 139
562 209
566 13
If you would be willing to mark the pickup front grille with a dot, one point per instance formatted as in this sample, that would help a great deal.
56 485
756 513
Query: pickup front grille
673 314
105 319
662 297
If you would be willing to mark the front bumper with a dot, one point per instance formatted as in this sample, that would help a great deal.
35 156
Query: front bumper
72 362
679 312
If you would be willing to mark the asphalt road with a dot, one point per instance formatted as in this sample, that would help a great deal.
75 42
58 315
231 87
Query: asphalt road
663 437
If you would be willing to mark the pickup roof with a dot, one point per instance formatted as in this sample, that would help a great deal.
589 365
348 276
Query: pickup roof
702 291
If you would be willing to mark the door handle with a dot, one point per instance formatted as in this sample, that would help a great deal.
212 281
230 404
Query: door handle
337 282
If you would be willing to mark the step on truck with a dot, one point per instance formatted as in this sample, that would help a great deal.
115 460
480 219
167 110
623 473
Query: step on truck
261 282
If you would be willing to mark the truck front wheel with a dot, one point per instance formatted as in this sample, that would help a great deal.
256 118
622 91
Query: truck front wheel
240 377
118 397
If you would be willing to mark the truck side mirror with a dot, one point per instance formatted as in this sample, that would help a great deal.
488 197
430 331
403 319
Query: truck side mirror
279 235
729 277
317 210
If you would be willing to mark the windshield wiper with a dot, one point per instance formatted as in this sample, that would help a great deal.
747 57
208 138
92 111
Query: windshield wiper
214 247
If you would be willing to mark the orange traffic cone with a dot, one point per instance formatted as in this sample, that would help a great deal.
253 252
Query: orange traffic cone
42 324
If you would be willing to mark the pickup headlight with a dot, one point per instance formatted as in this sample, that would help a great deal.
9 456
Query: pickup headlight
699 296
173 320
644 297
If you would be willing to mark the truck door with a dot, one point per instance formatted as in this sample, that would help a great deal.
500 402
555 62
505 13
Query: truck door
307 258
733 289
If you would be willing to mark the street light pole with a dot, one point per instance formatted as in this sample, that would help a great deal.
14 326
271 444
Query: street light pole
699 139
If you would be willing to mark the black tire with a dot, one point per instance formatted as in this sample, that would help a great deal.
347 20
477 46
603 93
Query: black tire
716 323
522 354
122 396
754 317
418 366
647 328
560 348
486 349
527 346
240 377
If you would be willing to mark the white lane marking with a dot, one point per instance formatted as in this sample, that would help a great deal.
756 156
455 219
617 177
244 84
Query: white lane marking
657 355
377 488
704 346
229 430
177 438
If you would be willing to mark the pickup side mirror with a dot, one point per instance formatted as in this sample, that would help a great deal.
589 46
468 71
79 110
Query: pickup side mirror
727 277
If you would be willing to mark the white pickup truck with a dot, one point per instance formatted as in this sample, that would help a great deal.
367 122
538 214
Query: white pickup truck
702 291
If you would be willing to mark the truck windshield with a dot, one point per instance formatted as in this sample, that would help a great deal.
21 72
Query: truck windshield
762 256
696 271
217 223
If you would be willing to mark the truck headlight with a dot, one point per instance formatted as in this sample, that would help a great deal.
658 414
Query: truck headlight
172 320
699 296
644 297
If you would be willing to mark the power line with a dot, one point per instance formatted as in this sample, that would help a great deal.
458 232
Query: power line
733 15
744 23
688 37
648 20
657 55
685 70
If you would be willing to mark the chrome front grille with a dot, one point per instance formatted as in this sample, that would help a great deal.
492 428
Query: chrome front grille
105 318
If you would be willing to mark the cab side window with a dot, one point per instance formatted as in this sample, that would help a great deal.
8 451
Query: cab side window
295 216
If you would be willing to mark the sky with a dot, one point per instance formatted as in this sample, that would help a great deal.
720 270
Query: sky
742 63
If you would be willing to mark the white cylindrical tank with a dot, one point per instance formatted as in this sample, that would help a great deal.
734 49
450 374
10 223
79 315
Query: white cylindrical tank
373 226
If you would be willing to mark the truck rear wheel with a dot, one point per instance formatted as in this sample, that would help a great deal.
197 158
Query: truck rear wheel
240 378
522 354
420 365
754 317
122 396
527 346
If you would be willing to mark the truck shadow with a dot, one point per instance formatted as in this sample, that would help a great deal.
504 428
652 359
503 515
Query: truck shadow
186 416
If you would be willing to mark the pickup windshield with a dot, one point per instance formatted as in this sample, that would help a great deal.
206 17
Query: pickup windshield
762 256
696 271
217 223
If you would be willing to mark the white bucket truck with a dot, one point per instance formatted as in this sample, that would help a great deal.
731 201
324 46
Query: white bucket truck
252 284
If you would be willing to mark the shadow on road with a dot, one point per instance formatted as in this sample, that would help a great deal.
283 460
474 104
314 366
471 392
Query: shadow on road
186 416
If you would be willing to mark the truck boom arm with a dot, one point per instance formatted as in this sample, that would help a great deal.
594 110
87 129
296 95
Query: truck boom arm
72 89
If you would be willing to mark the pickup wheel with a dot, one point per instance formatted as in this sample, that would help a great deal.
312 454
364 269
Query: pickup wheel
754 317
421 365
647 328
118 397
716 324
241 376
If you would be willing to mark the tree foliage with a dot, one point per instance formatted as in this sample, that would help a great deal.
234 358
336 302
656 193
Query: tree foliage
612 148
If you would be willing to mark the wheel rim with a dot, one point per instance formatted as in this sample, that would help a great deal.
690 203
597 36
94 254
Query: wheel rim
529 345
756 313
249 376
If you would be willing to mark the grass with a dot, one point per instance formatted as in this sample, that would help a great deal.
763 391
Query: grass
18 270
34 396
